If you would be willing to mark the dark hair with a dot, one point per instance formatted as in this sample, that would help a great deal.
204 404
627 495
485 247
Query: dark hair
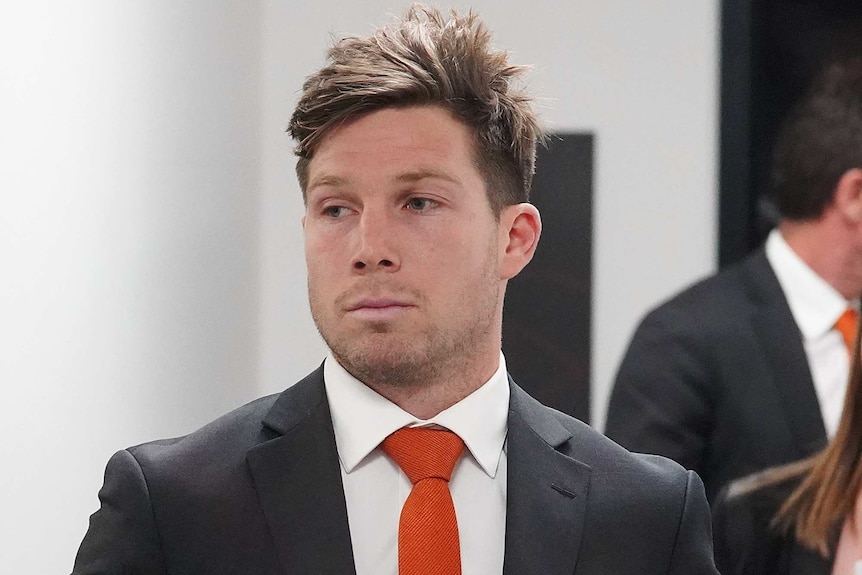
426 59
820 140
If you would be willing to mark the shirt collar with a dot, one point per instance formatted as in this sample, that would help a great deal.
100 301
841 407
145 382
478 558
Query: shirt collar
362 418
815 304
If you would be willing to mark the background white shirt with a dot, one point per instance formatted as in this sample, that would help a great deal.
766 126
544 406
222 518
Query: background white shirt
815 306
375 488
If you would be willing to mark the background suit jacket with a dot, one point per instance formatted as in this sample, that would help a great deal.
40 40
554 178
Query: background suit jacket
746 544
259 491
717 379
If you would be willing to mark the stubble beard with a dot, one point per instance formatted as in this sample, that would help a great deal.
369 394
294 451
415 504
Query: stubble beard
442 353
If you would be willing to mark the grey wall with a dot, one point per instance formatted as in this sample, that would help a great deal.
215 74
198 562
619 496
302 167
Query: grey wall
151 270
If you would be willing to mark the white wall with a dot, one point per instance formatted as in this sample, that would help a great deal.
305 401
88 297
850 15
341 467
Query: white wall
151 270
129 170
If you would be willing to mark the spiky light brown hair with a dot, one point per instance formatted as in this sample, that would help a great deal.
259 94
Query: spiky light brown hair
425 58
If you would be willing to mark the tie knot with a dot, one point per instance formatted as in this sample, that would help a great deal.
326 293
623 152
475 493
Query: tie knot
422 453
848 324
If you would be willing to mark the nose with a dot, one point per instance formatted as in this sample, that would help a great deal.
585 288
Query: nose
375 244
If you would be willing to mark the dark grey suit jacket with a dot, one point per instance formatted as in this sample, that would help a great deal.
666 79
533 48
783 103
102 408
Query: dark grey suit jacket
259 491
747 544
717 379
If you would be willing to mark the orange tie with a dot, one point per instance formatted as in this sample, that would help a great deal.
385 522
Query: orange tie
848 325
428 530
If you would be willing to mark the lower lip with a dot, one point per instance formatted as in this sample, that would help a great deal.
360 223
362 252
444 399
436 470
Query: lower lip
385 313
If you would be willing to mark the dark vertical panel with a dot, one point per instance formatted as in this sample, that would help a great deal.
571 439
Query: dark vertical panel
735 207
546 320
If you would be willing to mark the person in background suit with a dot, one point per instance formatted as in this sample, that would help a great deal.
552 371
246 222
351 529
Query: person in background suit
747 369
802 518
416 150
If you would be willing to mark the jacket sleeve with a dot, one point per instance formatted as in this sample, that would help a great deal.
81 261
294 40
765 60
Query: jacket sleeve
692 551
122 537
659 403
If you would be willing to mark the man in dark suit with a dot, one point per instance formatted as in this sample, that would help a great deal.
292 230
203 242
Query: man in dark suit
416 153
747 369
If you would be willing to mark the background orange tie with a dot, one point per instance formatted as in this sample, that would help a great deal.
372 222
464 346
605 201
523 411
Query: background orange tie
428 530
848 324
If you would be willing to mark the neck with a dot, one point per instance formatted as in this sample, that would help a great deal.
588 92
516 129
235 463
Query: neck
440 386
829 250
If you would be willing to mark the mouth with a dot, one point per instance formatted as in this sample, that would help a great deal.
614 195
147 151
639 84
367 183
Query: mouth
378 309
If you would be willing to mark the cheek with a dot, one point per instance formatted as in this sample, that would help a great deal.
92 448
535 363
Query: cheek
467 259
321 245
320 265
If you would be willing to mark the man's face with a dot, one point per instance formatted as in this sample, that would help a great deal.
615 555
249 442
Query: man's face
402 248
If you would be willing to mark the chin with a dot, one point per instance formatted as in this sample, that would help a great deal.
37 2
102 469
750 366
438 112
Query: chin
387 361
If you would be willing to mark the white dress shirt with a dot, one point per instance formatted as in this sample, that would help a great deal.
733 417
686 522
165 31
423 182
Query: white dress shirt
815 306
375 488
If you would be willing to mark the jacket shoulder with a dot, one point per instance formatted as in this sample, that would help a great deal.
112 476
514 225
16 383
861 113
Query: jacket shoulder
215 454
607 458
722 294
235 432
239 428
653 506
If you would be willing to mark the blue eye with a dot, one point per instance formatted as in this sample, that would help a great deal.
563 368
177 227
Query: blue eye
420 204
335 211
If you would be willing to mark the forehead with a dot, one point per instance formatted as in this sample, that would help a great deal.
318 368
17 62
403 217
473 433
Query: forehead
387 141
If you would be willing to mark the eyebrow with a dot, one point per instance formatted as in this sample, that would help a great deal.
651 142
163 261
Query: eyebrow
406 177
334 181
425 174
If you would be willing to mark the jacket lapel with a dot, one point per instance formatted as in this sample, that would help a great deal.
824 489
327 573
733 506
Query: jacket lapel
297 477
781 343
546 492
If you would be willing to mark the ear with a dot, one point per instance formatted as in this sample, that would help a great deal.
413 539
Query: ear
848 195
520 228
